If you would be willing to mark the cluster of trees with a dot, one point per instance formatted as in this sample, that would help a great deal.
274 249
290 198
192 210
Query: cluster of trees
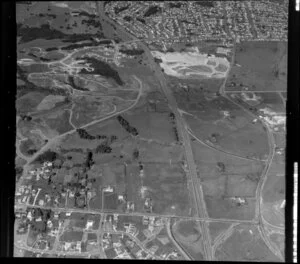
125 124
174 5
135 154
45 214
172 116
141 166
221 166
89 162
46 32
85 135
127 18
48 155
118 10
132 52
71 81
152 10
103 148
25 117
102 68
142 20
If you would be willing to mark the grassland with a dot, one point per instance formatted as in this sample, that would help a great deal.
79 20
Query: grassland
260 66
189 235
254 102
245 244
216 228
151 125
167 187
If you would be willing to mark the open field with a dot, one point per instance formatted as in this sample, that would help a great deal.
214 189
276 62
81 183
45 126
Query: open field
58 121
153 152
189 235
260 66
153 125
167 187
213 163
220 123
30 101
89 108
216 228
273 193
219 207
279 241
245 244
256 101
234 134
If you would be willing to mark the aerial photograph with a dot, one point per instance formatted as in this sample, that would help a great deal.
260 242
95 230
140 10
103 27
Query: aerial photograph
151 130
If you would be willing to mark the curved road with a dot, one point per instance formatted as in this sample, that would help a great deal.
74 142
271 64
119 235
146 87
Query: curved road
55 139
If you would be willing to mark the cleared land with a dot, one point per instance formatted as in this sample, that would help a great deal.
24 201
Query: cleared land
192 64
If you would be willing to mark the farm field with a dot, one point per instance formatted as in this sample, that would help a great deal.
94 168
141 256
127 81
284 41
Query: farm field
260 66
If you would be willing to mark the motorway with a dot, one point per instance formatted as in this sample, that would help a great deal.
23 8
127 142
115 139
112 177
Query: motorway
194 185
195 188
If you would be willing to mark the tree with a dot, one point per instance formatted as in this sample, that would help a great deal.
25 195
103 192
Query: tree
136 154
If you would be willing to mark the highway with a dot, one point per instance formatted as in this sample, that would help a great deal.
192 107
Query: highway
195 188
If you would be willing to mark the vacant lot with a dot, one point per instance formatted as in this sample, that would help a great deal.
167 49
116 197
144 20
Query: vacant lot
71 236
263 66
245 244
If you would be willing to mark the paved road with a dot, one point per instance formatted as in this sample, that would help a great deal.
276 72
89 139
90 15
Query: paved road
90 211
271 142
183 253
195 188
55 139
